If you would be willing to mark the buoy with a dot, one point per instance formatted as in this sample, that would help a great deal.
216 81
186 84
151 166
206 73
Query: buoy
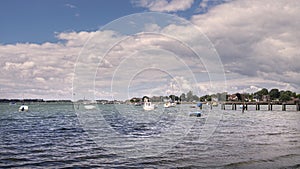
199 104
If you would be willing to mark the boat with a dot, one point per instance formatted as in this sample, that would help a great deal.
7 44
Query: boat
89 104
137 104
89 107
12 103
215 104
169 104
23 108
197 114
148 106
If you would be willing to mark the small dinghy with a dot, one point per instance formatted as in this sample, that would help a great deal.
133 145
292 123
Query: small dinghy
197 114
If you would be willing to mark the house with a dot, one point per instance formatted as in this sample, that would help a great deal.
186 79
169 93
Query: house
256 98
233 97
266 98
293 101
214 99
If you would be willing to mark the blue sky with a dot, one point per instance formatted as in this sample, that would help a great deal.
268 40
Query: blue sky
37 21
40 42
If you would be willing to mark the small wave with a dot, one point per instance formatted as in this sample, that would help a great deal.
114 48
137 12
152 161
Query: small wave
242 164
271 134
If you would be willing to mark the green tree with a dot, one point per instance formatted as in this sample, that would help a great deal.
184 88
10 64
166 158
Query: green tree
264 91
145 97
239 96
274 94
135 100
182 97
205 98
172 97
189 96
284 96
261 92
208 98
195 97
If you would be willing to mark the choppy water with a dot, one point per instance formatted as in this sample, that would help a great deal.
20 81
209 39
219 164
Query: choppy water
57 136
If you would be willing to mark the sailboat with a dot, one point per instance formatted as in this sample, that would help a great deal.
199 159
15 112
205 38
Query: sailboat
23 108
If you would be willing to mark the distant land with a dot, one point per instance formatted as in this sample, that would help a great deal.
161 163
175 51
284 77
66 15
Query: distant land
261 95
31 100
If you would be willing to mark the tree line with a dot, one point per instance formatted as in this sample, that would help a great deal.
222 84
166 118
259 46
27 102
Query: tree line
276 94
272 94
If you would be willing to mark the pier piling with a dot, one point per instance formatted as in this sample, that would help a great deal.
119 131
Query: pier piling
257 106
283 107
233 106
270 107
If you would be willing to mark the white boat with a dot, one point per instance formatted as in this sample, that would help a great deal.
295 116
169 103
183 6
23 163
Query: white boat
89 107
148 106
89 104
23 108
169 104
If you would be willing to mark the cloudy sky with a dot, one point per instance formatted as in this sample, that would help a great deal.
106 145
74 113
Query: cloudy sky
120 49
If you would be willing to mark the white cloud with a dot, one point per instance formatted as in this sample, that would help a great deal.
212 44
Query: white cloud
39 70
256 38
13 66
164 5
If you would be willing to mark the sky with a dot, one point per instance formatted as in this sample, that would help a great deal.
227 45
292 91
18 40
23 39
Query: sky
121 49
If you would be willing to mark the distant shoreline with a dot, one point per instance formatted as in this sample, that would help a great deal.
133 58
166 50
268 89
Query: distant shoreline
33 101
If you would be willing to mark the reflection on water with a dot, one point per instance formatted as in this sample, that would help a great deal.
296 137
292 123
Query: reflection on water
51 136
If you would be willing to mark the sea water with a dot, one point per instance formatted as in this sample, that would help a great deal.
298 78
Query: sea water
64 135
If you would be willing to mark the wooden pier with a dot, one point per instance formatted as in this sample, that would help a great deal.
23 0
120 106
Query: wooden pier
270 105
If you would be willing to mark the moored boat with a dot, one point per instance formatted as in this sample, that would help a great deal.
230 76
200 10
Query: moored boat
23 108
148 106
169 104
197 114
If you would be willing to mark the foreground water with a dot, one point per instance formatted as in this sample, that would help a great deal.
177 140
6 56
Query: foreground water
59 136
